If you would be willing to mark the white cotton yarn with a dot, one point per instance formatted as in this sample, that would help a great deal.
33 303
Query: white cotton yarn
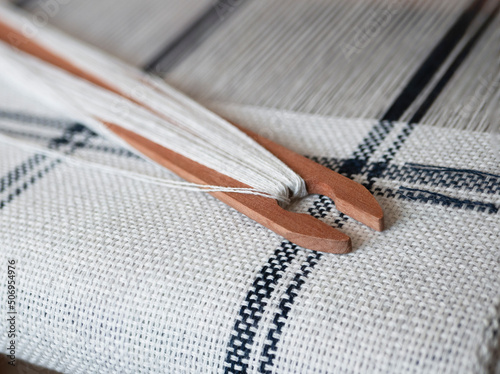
143 178
152 109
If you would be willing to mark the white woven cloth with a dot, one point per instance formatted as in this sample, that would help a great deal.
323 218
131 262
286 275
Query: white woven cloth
119 275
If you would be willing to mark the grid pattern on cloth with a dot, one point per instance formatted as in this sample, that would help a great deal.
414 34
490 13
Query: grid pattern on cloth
118 275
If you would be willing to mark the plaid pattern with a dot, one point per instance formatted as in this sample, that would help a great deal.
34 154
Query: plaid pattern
120 275
109 264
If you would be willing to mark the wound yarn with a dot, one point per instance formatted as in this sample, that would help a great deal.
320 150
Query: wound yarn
146 106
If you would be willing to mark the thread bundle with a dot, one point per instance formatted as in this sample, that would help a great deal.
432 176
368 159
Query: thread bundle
148 107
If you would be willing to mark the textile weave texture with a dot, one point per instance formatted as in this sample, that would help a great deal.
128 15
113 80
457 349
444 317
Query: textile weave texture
119 275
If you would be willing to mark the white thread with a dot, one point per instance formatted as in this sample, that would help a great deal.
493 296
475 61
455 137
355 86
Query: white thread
170 118
321 57
187 186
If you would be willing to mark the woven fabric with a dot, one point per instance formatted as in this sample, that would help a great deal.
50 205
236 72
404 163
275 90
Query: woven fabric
119 275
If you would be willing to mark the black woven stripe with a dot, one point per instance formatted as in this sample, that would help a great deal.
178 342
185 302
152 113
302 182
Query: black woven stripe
29 118
24 134
430 175
20 171
22 3
468 180
31 181
433 62
438 88
113 150
250 314
438 55
324 205
425 175
358 163
192 37
378 169
420 195
35 119
72 138
285 306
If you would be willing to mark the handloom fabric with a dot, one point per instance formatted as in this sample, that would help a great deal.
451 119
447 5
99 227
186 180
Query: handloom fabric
120 275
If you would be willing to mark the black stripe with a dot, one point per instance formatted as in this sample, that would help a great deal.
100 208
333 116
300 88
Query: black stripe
388 156
22 3
433 62
252 309
20 171
359 161
416 194
118 151
461 179
72 138
31 181
237 357
31 118
250 314
471 172
285 306
467 180
357 164
192 37
24 134
424 107
376 169
324 205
